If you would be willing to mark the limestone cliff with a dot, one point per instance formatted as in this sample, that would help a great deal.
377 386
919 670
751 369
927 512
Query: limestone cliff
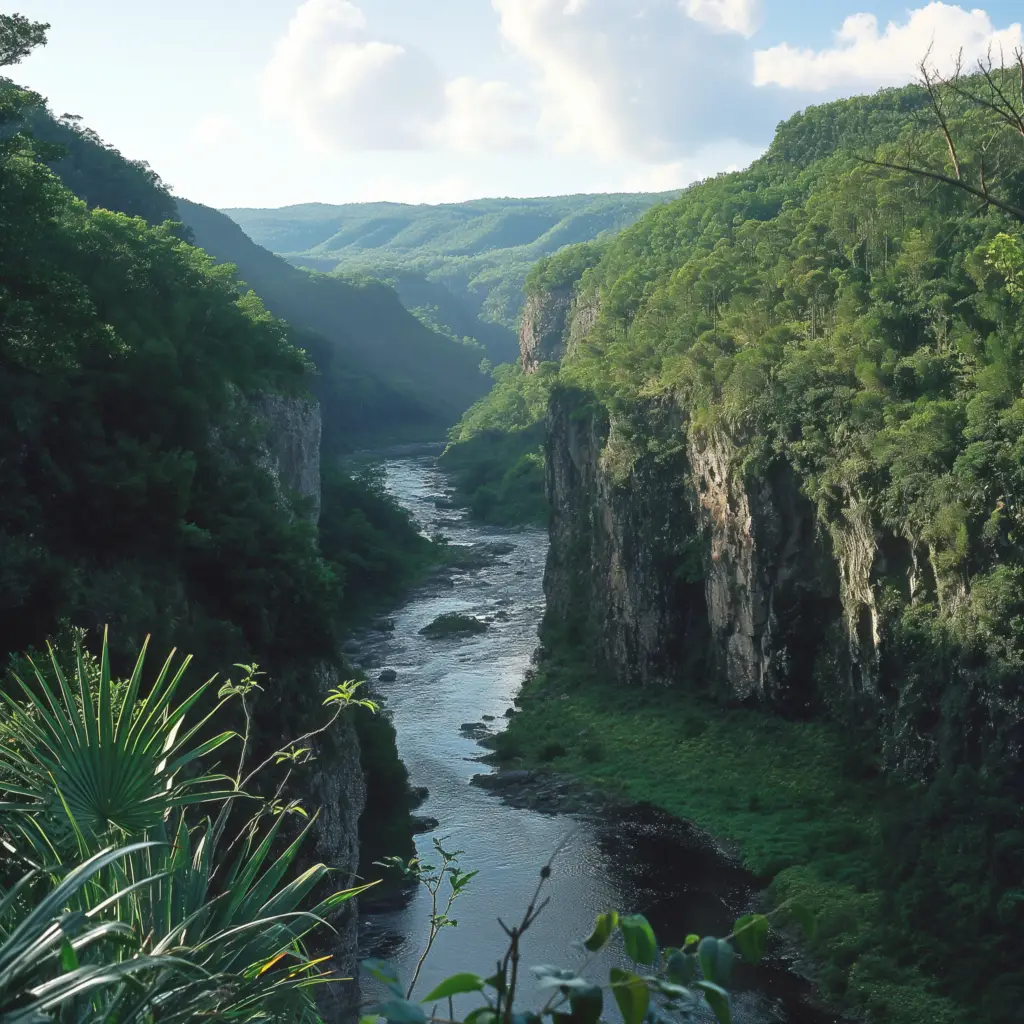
676 563
542 327
289 445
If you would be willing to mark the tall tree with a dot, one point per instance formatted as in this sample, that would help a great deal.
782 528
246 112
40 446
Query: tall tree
19 37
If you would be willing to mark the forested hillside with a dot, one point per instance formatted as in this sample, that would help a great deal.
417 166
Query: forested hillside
383 374
783 455
160 463
480 251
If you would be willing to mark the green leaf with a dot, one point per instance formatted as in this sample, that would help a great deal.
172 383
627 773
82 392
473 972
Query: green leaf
587 1004
718 999
637 934
751 934
716 957
674 993
804 916
631 995
691 940
680 967
68 957
604 926
456 985
385 973
482 1015
401 1011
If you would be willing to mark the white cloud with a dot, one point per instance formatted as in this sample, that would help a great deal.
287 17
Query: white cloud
651 81
340 87
867 57
741 16
487 117
344 89
648 79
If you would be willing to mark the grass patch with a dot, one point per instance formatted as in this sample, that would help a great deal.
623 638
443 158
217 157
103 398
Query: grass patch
453 624
801 811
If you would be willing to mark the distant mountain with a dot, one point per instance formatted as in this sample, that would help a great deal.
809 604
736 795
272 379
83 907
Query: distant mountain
383 373
480 251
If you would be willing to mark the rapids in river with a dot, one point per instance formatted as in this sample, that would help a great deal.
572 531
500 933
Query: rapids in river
635 861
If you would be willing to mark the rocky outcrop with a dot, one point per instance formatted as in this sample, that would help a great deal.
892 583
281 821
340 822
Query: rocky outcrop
673 561
542 327
686 572
624 567
336 786
767 579
290 446
289 431
552 323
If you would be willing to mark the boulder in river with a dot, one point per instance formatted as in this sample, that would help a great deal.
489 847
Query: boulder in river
383 625
423 823
370 661
474 730
453 624
502 780
389 675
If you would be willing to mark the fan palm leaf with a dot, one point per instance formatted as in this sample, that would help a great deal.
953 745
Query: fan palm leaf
105 758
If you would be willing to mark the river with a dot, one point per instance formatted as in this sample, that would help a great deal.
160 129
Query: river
638 861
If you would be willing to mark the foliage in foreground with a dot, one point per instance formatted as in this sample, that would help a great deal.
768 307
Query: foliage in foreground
135 888
661 984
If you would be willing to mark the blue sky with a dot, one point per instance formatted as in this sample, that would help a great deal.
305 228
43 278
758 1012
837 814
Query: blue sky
272 102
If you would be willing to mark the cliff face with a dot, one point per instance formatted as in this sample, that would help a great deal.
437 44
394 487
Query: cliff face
689 574
542 327
676 565
290 452
290 446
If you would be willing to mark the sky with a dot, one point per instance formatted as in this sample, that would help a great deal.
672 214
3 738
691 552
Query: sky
267 103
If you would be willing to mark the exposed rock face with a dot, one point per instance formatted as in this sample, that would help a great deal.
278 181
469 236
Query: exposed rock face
553 323
675 564
290 446
336 786
624 566
290 453
542 327
765 579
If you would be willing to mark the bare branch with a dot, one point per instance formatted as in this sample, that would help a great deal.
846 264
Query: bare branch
1000 204
932 82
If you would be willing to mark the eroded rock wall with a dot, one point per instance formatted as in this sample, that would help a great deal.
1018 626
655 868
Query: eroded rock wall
674 561
289 434
542 327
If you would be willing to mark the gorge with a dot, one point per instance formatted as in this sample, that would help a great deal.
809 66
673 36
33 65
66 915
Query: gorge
764 442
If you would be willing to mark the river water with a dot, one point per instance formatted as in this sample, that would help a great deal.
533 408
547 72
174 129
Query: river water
638 861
